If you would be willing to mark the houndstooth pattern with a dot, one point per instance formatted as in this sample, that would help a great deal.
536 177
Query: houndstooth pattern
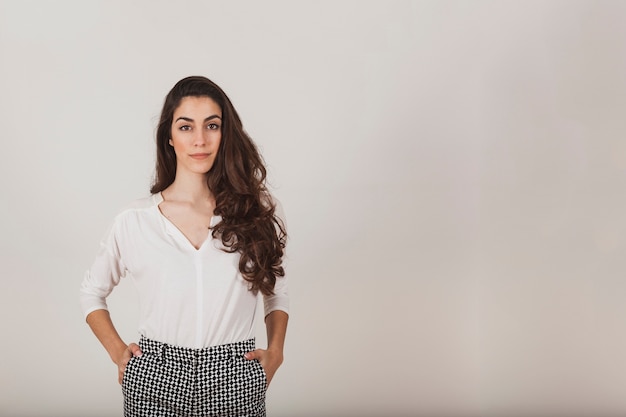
172 381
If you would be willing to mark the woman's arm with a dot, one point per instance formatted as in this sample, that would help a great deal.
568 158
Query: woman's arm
120 353
272 357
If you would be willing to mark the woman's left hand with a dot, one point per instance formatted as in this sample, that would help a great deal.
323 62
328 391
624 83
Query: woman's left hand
270 361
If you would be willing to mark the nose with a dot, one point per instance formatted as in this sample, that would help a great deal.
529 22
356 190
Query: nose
200 138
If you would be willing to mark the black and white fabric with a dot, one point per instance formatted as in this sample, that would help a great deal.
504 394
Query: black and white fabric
172 381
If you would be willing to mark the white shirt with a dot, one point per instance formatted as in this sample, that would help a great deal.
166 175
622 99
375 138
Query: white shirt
188 297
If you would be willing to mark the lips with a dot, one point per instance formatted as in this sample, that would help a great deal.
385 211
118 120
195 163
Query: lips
200 155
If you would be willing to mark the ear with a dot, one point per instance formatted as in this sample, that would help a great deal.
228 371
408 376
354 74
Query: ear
170 142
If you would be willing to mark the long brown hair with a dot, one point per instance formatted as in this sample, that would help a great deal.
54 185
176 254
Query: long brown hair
249 224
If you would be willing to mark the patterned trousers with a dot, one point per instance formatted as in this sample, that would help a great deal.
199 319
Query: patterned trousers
173 381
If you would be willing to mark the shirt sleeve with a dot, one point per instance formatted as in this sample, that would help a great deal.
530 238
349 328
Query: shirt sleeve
280 299
103 275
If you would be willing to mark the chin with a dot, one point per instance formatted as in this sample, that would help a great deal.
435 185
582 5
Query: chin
203 169
206 171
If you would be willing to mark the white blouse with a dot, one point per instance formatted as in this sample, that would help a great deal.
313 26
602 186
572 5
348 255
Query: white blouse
188 297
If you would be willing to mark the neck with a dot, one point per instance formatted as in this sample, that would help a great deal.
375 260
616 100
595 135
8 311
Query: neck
191 188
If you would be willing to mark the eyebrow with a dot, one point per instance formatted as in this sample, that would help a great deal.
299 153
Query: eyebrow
188 119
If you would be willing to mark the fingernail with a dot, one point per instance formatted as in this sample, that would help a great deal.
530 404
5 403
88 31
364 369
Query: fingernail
246 355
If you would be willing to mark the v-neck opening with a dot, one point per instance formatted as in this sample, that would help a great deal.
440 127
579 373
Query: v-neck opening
171 225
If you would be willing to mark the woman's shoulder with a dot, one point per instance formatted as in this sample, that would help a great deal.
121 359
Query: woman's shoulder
131 216
279 212
269 198
144 202
139 205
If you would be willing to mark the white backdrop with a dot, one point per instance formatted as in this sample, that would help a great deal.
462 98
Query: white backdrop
453 175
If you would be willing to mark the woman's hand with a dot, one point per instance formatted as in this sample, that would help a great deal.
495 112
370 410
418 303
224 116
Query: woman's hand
119 352
123 358
270 361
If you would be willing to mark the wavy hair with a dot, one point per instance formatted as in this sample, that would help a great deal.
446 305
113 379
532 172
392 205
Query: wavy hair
249 224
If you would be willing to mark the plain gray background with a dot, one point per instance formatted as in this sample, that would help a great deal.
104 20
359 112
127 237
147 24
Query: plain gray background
452 172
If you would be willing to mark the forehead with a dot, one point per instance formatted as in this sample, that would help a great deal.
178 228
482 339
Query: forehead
200 106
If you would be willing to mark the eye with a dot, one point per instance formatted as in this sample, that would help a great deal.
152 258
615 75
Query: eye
213 126
184 128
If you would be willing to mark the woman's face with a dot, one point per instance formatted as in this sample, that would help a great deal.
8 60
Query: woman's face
196 134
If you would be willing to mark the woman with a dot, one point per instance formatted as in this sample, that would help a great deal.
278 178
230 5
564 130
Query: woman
200 250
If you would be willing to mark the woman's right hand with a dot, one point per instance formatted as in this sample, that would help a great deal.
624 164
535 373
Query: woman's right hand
119 352
123 358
